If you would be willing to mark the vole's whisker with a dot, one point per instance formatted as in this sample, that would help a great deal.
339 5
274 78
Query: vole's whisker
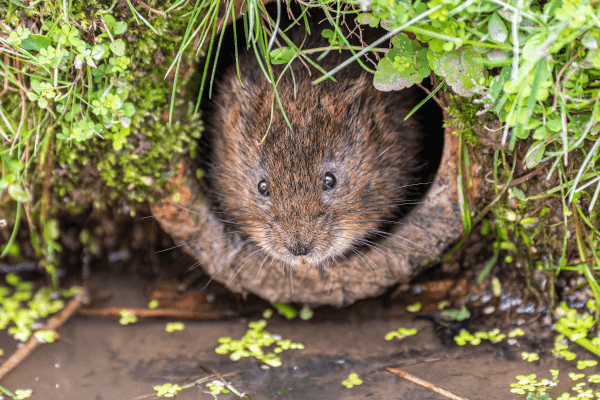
390 223
352 212
210 255
381 233
374 245
163 214
261 264
250 257
221 269
195 240
358 253
182 207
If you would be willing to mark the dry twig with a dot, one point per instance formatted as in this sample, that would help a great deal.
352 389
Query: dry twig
54 323
425 384
147 7
150 313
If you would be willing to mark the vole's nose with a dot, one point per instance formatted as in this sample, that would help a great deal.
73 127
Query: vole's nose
300 249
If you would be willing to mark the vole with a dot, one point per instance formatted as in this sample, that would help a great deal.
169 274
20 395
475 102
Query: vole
329 184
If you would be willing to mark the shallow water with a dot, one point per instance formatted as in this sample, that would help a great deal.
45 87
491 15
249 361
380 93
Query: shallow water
98 359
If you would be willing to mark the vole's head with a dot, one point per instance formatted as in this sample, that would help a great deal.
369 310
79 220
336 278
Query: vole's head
309 194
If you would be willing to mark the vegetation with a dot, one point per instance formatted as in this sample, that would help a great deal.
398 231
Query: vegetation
81 115
93 112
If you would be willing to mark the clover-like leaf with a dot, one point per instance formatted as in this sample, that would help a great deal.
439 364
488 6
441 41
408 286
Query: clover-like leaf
368 19
403 66
97 52
118 47
35 42
459 69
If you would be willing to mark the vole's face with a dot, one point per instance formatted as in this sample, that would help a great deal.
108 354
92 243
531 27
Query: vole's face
309 194
299 201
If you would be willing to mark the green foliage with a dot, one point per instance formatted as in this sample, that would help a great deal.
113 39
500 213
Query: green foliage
253 342
167 390
127 317
81 112
174 326
401 333
217 387
458 315
287 310
403 66
21 308
353 380
577 327
534 67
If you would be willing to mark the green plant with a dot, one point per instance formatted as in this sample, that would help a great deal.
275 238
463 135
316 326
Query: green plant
253 342
401 333
74 101
353 380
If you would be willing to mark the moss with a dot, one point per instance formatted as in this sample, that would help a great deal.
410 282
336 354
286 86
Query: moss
92 171
462 115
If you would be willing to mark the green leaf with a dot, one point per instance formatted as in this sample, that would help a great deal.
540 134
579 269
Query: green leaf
119 28
458 315
535 154
589 41
496 29
98 51
403 66
128 109
118 47
35 85
532 45
286 310
18 193
18 3
282 55
498 82
540 133
368 18
459 69
36 42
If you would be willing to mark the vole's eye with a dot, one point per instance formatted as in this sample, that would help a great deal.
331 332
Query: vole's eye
263 188
329 181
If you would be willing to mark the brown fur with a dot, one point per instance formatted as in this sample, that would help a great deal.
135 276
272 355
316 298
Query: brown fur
346 128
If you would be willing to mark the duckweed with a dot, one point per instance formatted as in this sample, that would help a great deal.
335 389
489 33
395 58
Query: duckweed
174 326
529 356
464 337
21 308
353 380
127 317
167 390
217 387
401 333
253 343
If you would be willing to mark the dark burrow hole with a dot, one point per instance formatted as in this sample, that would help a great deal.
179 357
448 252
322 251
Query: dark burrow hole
429 114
